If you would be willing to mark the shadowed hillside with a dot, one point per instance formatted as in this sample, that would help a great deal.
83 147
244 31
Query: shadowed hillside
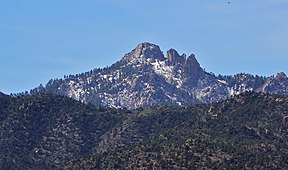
248 131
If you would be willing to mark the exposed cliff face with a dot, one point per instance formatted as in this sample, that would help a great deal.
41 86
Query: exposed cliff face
277 84
192 71
145 77
174 58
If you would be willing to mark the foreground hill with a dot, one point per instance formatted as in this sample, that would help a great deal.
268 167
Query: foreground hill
43 131
246 132
145 77
54 132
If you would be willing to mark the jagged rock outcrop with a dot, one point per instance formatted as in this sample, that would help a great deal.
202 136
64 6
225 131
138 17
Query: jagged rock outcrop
142 52
144 77
174 58
192 71
277 84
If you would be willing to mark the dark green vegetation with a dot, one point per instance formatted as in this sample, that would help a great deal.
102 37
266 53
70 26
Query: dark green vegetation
44 131
249 131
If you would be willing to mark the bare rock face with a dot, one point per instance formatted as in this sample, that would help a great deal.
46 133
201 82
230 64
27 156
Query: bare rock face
192 70
281 76
144 51
277 84
174 58
144 77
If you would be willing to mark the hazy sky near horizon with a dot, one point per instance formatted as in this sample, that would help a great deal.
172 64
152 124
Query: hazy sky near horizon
42 40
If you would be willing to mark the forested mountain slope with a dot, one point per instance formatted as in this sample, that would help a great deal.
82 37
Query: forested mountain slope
44 131
249 130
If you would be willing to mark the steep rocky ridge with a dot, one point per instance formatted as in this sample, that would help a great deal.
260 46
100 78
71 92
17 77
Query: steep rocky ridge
144 77
276 84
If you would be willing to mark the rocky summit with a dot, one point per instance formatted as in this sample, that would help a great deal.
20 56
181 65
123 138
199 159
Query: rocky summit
145 77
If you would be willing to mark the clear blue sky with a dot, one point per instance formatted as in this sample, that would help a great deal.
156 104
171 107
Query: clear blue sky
45 39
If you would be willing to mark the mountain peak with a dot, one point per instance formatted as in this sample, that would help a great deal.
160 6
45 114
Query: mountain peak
192 69
192 62
172 53
146 45
174 58
145 78
281 75
144 50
